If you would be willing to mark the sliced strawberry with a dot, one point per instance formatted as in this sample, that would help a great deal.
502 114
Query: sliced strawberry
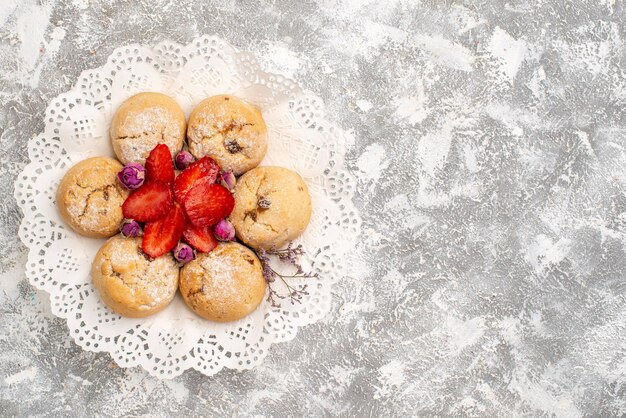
206 204
159 165
203 171
148 203
200 238
161 236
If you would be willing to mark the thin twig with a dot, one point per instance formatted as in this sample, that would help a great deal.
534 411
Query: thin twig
289 255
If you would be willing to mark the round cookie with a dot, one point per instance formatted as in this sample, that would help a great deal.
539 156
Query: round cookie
89 197
142 122
272 207
230 131
225 284
130 283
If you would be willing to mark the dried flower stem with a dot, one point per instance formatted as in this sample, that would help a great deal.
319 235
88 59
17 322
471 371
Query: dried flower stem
289 255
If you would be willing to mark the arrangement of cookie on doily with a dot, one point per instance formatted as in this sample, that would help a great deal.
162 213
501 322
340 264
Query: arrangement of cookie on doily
185 209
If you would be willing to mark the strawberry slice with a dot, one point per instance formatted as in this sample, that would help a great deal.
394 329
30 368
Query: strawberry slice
148 203
206 204
203 171
200 238
159 166
161 236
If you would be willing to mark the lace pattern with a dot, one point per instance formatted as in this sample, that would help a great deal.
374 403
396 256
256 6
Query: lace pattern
76 127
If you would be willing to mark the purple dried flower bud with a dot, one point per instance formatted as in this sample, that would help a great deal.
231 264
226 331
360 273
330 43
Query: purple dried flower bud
183 159
183 253
224 231
132 176
228 180
131 228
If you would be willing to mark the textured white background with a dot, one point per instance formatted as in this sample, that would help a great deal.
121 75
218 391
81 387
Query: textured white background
491 155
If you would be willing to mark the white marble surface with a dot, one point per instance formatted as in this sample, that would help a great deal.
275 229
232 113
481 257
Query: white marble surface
491 157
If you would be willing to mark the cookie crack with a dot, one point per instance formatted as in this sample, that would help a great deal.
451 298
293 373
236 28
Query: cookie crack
267 226
131 136
119 276
229 131
258 189
254 213
232 126
137 136
250 214
143 134
163 134
105 192
192 293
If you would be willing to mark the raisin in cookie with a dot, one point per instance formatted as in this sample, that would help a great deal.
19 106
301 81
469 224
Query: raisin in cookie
223 285
230 131
144 121
89 197
272 207
130 283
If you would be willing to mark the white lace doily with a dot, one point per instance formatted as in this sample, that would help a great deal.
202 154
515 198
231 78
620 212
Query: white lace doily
77 125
